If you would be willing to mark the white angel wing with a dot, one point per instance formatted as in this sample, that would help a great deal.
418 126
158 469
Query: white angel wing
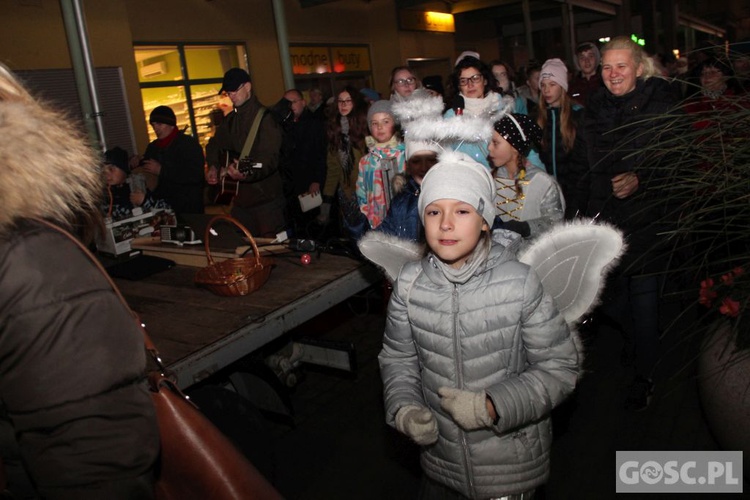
572 261
389 252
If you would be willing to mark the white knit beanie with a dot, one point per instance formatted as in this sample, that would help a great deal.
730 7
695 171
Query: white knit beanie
414 147
457 177
466 53
555 70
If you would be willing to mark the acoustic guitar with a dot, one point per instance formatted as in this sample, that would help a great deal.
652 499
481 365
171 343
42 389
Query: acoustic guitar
228 188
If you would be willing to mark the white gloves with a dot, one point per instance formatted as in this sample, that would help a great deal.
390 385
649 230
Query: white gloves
468 409
418 423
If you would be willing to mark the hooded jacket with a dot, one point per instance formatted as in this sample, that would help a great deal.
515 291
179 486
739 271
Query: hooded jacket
492 329
71 356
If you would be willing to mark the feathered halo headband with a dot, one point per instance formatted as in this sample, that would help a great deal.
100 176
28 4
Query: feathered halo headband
422 120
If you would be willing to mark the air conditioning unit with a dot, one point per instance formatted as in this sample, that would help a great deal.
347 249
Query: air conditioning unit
155 69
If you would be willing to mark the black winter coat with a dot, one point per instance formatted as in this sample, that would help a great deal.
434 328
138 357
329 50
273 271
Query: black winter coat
181 179
569 168
618 130
304 153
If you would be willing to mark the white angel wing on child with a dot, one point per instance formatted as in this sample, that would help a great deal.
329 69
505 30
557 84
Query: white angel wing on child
388 252
571 259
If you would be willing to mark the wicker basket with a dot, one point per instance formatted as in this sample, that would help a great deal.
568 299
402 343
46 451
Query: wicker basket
233 277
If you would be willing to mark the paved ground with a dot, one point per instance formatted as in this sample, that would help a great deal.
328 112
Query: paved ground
337 445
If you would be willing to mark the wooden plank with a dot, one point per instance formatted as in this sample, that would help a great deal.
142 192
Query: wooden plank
195 255
260 331
197 331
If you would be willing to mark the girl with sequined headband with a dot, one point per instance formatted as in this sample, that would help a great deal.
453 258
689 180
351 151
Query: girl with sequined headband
528 200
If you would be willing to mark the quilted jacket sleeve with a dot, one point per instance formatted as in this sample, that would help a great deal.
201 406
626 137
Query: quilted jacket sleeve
552 209
399 365
551 366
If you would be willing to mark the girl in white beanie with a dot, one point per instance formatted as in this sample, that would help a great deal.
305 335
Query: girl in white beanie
475 353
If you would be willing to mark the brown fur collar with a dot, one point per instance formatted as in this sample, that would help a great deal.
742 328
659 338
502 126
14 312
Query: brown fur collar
47 169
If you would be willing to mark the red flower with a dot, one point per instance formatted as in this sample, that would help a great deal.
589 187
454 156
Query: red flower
729 307
710 291
707 294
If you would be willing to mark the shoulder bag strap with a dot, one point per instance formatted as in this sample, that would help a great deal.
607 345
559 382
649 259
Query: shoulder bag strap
146 339
196 459
253 133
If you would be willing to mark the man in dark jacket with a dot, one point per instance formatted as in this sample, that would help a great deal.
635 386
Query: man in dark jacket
259 204
177 159
303 157
317 105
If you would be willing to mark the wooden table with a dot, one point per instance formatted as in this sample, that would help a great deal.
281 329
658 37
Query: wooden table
198 332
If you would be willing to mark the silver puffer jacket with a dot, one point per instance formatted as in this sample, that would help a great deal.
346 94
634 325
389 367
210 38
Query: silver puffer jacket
496 331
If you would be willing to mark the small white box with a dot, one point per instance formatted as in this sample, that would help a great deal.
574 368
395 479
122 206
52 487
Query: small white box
308 201
118 234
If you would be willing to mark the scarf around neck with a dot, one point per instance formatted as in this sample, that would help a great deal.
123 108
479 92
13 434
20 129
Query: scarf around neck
163 143
482 106
477 259
391 143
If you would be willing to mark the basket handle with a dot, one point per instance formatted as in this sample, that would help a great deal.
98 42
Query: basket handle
207 236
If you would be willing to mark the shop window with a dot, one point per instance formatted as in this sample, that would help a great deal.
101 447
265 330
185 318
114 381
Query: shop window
187 78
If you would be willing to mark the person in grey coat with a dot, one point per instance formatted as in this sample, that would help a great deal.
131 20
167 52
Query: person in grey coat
475 353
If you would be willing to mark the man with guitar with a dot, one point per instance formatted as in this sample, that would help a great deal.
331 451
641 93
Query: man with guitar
246 150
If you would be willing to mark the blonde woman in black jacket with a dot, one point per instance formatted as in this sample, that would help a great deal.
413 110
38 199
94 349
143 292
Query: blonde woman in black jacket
621 122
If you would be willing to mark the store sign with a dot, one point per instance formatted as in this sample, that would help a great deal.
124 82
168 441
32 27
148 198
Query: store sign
316 60
426 21
350 59
308 60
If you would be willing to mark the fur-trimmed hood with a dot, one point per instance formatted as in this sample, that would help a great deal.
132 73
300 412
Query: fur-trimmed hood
47 169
